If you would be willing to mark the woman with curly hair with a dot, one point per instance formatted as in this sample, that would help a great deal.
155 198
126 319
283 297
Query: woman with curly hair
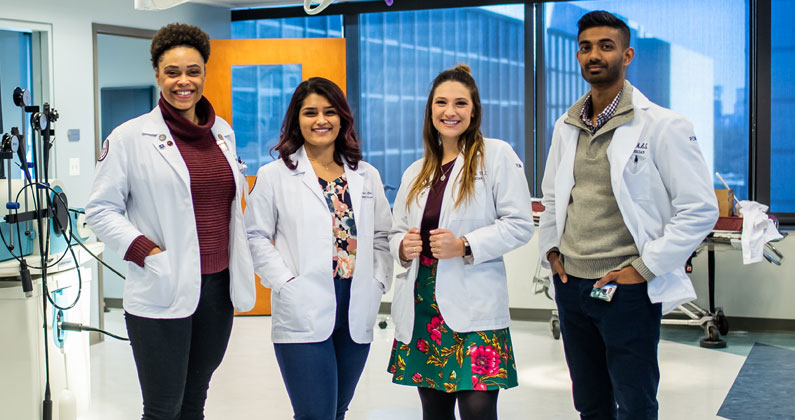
458 210
317 222
167 195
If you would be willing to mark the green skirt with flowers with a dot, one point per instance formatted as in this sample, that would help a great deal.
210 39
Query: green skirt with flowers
443 359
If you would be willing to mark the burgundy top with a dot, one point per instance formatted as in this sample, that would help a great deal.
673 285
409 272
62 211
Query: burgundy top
212 186
433 209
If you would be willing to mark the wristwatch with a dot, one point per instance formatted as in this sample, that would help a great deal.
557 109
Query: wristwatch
467 250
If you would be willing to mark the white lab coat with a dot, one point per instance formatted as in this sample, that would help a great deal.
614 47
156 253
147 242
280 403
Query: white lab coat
497 219
151 186
290 235
665 196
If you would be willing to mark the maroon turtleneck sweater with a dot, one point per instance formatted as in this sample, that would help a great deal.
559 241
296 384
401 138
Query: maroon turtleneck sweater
212 186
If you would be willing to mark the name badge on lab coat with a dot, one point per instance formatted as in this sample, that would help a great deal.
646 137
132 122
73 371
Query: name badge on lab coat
222 145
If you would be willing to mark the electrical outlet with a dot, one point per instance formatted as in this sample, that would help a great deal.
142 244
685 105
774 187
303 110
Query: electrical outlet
74 167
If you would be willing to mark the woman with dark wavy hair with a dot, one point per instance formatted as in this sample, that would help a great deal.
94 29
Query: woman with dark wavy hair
318 221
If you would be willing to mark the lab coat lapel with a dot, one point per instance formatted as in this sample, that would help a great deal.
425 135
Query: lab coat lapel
223 142
625 138
307 174
415 217
620 150
564 179
619 153
157 130
449 200
355 188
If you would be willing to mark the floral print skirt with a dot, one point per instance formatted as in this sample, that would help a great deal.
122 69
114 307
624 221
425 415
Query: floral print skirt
446 360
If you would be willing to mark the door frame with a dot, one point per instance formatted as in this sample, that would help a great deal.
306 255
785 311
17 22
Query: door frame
102 29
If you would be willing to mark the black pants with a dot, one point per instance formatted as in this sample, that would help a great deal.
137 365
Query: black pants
611 349
472 405
177 357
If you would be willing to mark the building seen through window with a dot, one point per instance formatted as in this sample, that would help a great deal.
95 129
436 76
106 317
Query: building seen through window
400 54
703 77
261 94
15 71
782 107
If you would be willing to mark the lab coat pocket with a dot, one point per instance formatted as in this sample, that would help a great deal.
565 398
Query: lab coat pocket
376 292
286 313
401 277
402 292
364 219
380 286
155 283
637 177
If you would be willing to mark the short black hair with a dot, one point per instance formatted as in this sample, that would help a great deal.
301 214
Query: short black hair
179 35
603 18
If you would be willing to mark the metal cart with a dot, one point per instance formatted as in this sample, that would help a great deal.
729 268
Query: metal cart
542 283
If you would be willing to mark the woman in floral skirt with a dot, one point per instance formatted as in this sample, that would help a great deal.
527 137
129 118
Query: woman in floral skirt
457 212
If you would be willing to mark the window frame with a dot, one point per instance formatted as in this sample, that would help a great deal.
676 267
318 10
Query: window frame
350 14
759 83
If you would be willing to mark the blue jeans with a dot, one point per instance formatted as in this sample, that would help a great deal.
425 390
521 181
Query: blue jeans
176 358
321 377
611 349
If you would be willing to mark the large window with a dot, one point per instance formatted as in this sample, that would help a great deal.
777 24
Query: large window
15 71
692 56
782 107
261 94
703 77
297 27
402 52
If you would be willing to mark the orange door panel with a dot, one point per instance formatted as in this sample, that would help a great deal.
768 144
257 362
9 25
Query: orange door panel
318 57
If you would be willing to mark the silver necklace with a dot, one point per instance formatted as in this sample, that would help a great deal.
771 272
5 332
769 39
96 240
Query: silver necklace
447 172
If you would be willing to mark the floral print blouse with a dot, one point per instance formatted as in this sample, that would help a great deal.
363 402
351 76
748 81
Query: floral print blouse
339 204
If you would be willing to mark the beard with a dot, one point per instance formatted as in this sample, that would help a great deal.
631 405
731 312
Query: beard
610 74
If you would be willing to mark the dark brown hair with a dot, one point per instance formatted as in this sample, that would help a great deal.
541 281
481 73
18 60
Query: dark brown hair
470 142
346 145
602 18
179 35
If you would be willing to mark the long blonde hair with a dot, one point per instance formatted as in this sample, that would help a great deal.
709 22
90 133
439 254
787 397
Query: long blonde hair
471 140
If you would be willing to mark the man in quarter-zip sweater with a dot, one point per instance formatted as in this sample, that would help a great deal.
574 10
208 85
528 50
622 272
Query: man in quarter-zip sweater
610 340
593 212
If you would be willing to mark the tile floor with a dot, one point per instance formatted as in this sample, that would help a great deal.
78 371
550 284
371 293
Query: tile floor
248 384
